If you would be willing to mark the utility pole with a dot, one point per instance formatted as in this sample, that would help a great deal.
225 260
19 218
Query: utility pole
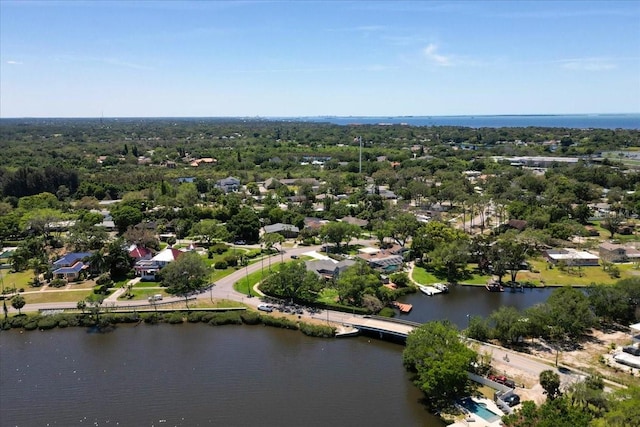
360 140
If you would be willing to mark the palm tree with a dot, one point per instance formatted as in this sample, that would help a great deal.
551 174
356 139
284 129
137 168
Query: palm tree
98 262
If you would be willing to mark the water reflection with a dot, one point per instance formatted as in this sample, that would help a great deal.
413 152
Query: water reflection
193 375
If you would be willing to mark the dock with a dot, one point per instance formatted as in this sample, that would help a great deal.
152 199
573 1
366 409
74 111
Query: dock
404 308
436 288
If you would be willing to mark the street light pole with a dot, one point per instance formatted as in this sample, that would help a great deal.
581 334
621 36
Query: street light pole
246 274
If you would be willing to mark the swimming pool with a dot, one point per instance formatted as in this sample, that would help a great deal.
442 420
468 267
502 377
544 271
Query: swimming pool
480 410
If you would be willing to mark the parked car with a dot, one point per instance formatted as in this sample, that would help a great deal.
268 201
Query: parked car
294 256
501 379
265 307
240 242
512 400
156 297
632 350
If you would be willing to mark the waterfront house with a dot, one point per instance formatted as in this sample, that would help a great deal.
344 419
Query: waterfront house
71 265
618 253
147 269
571 257
328 268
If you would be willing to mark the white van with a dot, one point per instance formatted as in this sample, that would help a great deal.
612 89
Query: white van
156 297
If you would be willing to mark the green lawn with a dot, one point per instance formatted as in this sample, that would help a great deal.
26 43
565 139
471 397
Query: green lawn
57 296
578 277
22 279
147 285
425 277
328 296
143 294
246 283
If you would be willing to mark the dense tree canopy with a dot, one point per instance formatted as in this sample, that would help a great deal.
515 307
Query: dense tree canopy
440 361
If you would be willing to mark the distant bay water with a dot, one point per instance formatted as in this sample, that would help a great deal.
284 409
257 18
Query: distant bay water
577 121
572 121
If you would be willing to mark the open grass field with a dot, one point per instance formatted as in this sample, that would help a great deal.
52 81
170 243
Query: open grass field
141 285
143 294
58 296
583 276
425 277
18 280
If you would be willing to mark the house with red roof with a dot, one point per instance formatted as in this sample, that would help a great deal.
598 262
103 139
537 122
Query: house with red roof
140 253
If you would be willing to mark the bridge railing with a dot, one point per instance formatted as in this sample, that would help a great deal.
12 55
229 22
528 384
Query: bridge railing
390 319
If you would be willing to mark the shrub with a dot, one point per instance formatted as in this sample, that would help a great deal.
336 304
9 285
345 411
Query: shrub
250 317
220 265
279 322
150 318
18 321
219 248
387 312
253 253
31 325
58 283
63 323
103 280
47 322
175 318
231 261
5 325
229 318
322 331
194 316
87 321
207 316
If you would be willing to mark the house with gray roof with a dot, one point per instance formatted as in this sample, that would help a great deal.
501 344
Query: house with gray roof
328 268
228 185
289 231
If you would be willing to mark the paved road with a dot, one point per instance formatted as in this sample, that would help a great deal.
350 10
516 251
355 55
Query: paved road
525 363
223 288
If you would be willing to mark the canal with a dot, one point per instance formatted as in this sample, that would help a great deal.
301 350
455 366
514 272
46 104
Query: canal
468 300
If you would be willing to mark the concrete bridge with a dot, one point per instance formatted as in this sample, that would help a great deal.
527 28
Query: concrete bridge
382 325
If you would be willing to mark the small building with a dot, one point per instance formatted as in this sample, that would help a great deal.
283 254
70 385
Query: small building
571 257
517 224
289 231
618 253
228 185
328 268
355 221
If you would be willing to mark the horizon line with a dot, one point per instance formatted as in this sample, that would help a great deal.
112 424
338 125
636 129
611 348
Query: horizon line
387 116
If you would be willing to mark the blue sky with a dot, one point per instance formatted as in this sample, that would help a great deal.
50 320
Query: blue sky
304 58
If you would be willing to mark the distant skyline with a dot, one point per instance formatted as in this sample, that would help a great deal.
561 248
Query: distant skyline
315 58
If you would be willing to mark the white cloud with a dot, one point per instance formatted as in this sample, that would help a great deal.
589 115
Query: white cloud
14 62
588 64
431 52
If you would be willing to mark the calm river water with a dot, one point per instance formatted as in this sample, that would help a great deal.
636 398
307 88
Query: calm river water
194 375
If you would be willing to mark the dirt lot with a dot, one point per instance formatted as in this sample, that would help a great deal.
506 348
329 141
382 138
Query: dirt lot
585 357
